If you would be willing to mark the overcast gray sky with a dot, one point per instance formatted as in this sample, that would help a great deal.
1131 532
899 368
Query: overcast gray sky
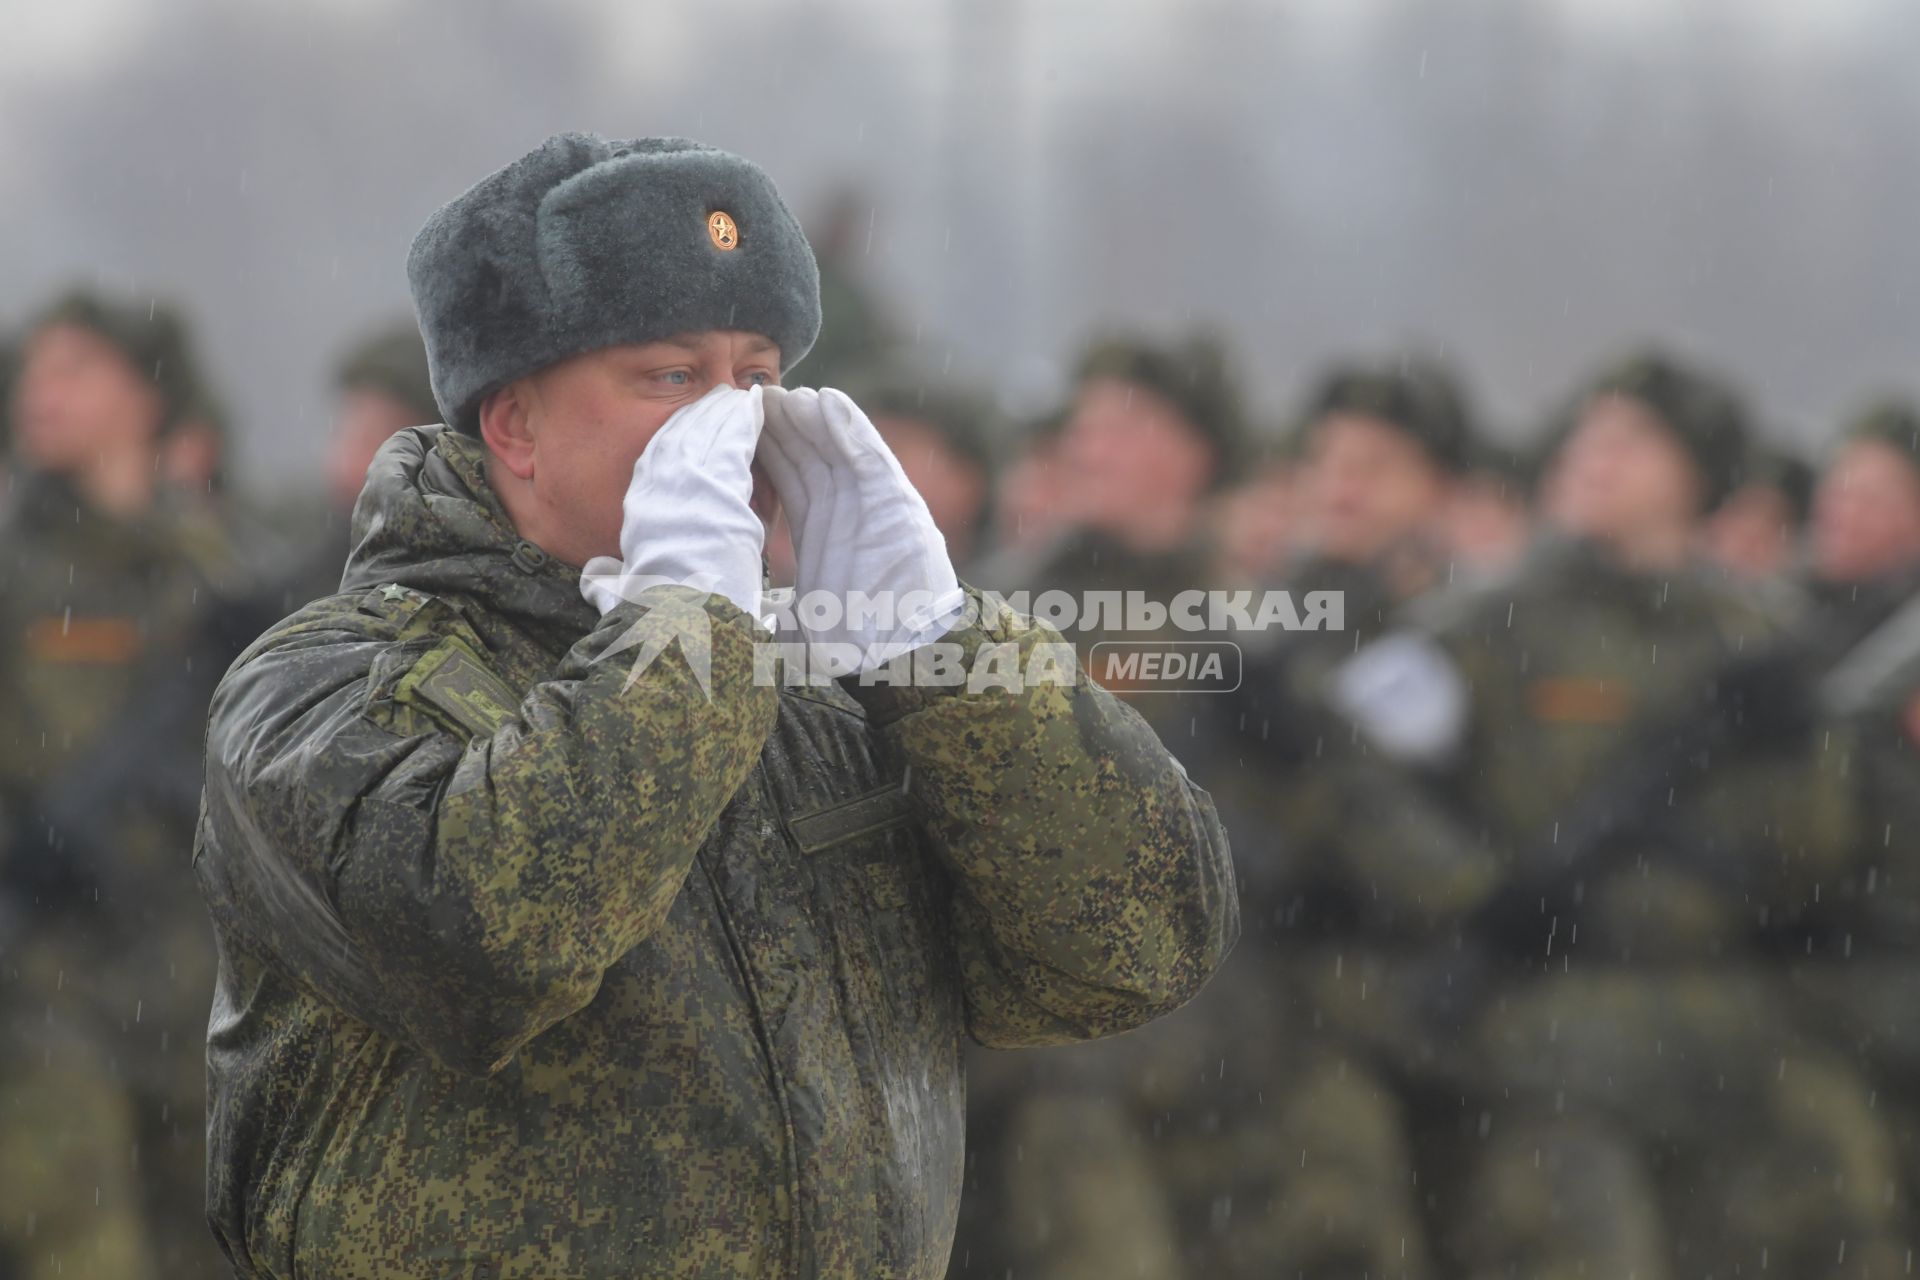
1524 185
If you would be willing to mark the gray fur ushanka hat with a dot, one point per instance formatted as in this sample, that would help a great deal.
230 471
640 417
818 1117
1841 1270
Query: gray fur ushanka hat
589 242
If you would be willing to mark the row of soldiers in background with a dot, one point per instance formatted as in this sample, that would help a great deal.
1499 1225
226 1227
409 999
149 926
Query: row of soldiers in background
1582 931
1574 930
129 578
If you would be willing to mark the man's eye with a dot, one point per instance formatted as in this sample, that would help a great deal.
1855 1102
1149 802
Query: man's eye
676 377
760 378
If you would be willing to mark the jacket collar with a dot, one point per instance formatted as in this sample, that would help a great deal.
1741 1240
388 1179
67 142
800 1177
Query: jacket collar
429 519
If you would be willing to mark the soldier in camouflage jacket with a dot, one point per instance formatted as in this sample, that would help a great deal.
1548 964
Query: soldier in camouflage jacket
539 962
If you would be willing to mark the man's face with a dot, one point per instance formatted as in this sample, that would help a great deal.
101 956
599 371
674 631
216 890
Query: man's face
79 399
1753 533
1127 452
1256 522
1369 487
1487 522
191 456
588 419
1031 495
364 420
1621 473
1866 514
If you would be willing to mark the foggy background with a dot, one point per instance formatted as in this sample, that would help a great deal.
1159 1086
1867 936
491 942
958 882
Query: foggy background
1524 185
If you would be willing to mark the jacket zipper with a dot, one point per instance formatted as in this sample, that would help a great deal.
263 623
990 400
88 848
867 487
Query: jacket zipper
760 1027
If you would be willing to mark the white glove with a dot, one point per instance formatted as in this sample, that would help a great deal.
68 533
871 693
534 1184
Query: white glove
858 526
687 518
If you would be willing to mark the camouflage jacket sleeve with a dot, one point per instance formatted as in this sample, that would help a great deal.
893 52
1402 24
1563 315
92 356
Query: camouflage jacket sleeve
1094 887
457 884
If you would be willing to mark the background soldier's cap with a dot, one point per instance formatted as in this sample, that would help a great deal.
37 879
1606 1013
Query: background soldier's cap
150 334
1419 397
589 242
1893 421
1192 375
1704 414
1774 467
392 360
1511 468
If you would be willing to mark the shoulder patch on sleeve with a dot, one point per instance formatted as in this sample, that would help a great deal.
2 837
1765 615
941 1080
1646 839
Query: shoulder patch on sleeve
450 679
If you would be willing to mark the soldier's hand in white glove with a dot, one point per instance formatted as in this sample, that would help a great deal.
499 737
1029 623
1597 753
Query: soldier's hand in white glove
858 526
687 518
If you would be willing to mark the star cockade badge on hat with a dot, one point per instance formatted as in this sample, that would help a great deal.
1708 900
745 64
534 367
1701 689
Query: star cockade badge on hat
725 235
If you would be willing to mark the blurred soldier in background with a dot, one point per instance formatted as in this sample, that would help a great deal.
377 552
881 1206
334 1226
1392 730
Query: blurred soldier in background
1380 450
1756 532
112 630
1029 503
1256 522
1380 447
1489 519
1859 965
1152 431
944 437
1618 814
381 387
244 538
1862 567
66 1123
193 454
855 331
1866 524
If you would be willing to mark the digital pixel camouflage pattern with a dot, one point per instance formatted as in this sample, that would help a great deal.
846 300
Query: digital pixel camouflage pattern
535 963
1064 1179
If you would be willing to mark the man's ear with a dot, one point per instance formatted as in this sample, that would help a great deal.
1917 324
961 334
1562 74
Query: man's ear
506 425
